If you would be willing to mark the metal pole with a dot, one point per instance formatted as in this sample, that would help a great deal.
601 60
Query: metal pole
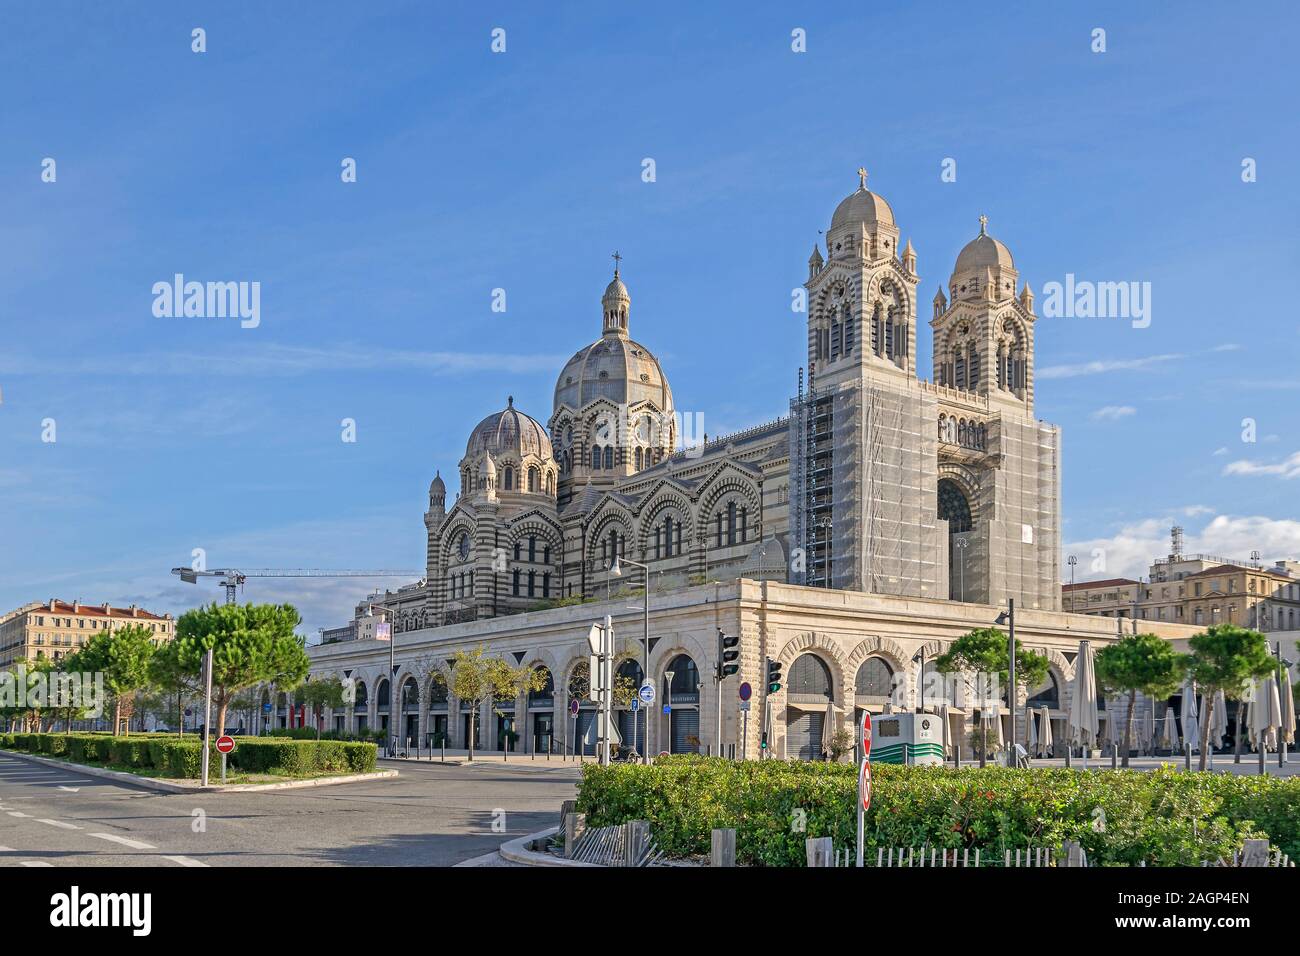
645 670
1011 690
207 711
1281 741
744 736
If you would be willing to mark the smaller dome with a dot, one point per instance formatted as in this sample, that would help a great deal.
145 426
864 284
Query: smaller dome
616 291
437 486
983 252
863 206
509 433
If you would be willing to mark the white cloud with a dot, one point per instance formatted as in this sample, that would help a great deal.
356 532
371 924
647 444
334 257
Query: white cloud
1128 553
1105 365
1111 413
1220 451
1228 347
1289 467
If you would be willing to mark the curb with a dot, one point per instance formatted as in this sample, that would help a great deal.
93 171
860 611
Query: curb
516 851
171 786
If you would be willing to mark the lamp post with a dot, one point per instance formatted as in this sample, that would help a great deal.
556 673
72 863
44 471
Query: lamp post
668 694
392 664
616 569
1008 617
920 680
961 544
1071 561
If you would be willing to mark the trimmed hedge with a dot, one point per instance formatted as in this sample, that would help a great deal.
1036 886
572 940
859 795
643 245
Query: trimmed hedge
1121 818
183 757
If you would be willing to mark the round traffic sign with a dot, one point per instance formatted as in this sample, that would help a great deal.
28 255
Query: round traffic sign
647 693
746 691
865 736
225 744
573 707
864 784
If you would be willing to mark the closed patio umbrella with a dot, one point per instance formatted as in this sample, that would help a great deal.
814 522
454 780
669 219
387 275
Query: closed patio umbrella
828 730
1191 720
1169 734
1149 726
1082 722
1218 721
1266 714
1031 732
1287 700
1045 732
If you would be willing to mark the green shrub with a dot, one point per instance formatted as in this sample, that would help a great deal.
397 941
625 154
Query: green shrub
1165 818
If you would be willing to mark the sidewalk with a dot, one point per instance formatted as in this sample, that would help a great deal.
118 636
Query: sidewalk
460 758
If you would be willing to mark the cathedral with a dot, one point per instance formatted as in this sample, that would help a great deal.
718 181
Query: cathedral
850 541
877 481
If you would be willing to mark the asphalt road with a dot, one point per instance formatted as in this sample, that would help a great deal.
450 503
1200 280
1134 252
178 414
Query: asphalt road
431 815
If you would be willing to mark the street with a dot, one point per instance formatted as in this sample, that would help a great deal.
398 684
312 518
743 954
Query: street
432 815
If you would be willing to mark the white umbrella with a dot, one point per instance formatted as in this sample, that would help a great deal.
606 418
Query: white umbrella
1045 734
1082 721
1287 700
1266 714
1218 721
1031 733
1149 726
1169 733
1191 720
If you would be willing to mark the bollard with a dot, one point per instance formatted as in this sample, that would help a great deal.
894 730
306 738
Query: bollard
723 851
574 824
444 749
1187 756
1114 756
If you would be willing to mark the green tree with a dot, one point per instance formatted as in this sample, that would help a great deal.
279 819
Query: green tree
1225 658
123 656
476 678
171 675
984 651
319 694
251 644
1139 662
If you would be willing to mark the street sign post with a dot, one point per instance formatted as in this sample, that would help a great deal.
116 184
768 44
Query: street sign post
225 744
646 692
864 779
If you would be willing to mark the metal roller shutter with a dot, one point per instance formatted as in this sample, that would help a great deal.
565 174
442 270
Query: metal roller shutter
686 723
803 739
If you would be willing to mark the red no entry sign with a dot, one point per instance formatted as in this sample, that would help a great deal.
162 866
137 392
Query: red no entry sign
865 736
225 744
864 784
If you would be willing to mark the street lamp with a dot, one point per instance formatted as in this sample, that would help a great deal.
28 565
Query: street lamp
392 664
920 680
1071 561
616 569
1008 617
961 544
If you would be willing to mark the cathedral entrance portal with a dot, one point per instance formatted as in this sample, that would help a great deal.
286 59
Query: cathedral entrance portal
954 508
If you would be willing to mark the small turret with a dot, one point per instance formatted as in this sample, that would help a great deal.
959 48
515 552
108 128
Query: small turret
989 287
1027 299
940 302
815 261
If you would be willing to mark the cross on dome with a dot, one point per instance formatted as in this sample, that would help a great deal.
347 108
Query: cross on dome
862 177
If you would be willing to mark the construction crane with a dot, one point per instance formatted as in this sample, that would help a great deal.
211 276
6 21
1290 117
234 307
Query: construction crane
232 579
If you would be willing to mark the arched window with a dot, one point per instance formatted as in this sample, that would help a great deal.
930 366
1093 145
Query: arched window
532 583
518 545
383 694
954 507
437 694
731 522
515 583
595 456
532 548
609 456
810 677
361 697
546 696
638 461
668 536
410 694
685 686
508 481
1047 694
533 479
875 679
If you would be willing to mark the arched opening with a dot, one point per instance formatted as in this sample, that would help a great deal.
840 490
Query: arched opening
1047 694
631 723
541 713
383 703
684 698
508 479
410 713
586 716
810 698
438 731
954 508
361 707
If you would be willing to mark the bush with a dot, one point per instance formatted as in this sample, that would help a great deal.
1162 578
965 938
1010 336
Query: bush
1165 818
183 757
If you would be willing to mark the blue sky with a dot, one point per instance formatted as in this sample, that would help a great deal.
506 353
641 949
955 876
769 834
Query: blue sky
522 171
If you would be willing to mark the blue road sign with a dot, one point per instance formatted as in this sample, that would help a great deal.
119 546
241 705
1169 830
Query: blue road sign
668 709
636 704
646 692
746 691
267 707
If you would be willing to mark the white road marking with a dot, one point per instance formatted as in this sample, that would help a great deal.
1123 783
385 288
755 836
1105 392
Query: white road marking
60 823
43 863
19 813
185 861
133 844
78 789
7 849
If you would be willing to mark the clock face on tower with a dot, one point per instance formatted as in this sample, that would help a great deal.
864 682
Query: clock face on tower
463 547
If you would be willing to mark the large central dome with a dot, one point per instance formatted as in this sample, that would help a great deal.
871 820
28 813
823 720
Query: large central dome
509 433
614 367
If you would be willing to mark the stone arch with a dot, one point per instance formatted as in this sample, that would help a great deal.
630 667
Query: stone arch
451 536
717 489
603 524
663 498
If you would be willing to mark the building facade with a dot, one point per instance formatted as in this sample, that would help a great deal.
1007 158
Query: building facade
56 628
852 540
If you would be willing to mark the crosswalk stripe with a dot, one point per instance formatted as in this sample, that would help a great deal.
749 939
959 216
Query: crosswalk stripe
185 860
19 813
133 844
36 863
68 826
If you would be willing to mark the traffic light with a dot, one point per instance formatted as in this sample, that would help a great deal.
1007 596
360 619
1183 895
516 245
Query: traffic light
773 676
728 655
